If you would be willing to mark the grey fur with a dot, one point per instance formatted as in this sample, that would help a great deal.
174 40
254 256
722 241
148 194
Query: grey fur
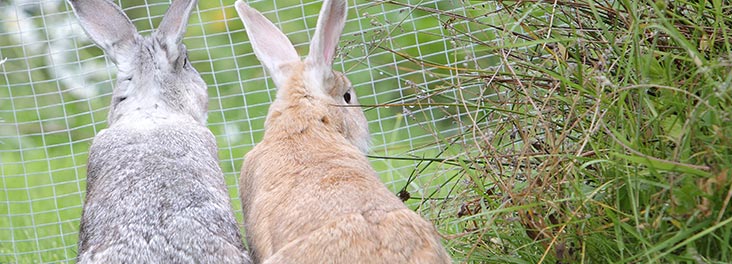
155 192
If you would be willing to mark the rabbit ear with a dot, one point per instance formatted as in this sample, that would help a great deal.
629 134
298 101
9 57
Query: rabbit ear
106 24
327 33
171 30
270 45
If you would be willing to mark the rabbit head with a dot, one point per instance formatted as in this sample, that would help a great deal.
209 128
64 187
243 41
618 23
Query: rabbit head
154 77
310 84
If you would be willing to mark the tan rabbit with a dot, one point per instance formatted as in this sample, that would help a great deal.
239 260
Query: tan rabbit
308 192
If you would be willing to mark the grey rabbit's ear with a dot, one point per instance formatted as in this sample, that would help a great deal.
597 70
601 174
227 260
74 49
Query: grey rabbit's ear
171 30
327 33
270 45
106 24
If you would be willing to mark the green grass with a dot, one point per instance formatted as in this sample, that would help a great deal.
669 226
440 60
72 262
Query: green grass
601 134
537 132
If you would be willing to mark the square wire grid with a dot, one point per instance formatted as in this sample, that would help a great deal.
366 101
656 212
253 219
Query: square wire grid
55 89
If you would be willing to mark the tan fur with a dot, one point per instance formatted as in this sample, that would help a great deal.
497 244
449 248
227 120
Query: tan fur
309 195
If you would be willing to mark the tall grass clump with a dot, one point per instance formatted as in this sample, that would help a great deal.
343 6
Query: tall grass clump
590 131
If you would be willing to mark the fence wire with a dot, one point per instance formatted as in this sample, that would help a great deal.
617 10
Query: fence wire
55 88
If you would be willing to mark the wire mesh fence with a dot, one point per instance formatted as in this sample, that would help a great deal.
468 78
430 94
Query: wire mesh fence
55 89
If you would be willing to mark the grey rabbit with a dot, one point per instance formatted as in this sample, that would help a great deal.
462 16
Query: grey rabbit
155 191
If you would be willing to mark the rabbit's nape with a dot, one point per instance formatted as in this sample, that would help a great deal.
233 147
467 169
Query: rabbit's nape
155 80
158 83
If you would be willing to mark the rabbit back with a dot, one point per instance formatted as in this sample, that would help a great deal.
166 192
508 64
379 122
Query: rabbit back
372 237
157 195
315 204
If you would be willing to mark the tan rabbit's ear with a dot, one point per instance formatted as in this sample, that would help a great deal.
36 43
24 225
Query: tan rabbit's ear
106 24
327 33
270 45
173 27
